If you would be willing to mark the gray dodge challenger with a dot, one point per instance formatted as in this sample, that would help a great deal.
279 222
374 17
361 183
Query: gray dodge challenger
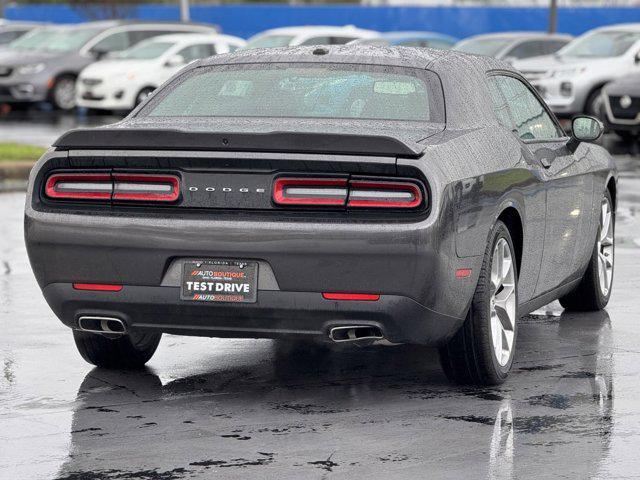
358 194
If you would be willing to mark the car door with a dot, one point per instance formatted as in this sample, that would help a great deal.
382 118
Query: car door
564 175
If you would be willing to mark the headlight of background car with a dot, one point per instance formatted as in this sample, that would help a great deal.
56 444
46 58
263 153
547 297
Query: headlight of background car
568 72
31 69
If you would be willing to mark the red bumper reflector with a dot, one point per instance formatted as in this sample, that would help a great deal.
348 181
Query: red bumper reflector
463 273
98 287
367 297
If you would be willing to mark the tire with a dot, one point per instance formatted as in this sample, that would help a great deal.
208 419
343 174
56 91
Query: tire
594 104
594 290
63 93
126 352
470 357
143 94
625 136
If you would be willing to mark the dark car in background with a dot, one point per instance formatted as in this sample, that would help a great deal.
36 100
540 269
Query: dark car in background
44 64
246 199
510 46
410 39
621 104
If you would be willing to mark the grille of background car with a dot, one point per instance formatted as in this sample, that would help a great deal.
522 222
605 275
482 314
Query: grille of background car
91 82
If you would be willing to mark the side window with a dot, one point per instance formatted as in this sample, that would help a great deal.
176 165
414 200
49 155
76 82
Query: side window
115 42
530 119
500 107
195 52
340 40
140 35
440 44
11 35
316 41
552 46
531 48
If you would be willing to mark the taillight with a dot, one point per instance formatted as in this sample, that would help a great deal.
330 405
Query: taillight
310 191
88 186
146 188
349 193
117 186
375 194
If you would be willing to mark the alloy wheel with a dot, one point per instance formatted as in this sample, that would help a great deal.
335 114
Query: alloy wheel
64 93
605 247
503 302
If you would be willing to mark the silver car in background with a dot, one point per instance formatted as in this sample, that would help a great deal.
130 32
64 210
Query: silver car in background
571 81
511 46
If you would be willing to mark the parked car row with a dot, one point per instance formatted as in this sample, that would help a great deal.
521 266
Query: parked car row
113 65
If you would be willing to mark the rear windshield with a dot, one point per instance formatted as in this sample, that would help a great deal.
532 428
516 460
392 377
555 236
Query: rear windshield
336 91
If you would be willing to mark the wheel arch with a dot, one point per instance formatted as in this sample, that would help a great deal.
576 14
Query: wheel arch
511 217
598 86
613 191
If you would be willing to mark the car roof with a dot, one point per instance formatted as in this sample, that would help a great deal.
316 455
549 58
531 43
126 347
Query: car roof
520 35
411 57
416 34
316 29
20 24
196 37
627 27
106 24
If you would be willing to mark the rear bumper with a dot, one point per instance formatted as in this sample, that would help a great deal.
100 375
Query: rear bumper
276 314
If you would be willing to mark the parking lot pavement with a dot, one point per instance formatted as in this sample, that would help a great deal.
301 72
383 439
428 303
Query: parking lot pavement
262 409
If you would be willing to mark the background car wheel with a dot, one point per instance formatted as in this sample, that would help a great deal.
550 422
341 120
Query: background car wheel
626 136
63 93
143 94
595 104
128 351
482 351
594 290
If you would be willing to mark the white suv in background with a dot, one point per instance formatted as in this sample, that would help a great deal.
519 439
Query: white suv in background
571 80
308 35
122 82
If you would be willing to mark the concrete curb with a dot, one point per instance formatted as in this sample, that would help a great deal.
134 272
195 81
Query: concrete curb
14 175
15 170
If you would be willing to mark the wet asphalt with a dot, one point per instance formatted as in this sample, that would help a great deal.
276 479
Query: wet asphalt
259 409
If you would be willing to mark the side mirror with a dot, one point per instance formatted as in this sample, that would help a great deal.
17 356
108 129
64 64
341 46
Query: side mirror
585 129
174 61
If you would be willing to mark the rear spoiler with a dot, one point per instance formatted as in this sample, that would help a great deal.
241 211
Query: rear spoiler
298 142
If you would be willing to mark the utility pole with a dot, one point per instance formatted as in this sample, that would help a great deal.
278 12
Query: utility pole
184 10
553 16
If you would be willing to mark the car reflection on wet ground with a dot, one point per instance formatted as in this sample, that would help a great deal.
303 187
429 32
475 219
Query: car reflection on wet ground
264 409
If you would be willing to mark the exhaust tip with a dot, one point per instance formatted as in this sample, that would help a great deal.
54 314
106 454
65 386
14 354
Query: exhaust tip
96 324
354 333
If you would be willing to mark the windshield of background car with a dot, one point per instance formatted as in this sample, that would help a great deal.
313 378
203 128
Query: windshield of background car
145 51
269 41
55 39
601 44
337 91
487 46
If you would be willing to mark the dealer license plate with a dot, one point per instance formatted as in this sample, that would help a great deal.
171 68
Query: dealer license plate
233 281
